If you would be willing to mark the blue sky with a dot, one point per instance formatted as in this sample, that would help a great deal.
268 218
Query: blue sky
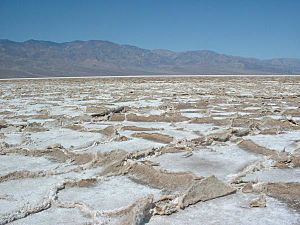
253 28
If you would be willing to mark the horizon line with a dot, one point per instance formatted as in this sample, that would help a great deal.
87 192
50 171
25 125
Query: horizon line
151 76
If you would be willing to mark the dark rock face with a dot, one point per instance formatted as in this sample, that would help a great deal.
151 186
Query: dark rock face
89 58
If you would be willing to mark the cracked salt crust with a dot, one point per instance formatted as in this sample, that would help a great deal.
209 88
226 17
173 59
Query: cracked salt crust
231 210
66 102
134 144
57 216
65 137
221 161
274 175
11 163
24 192
288 141
111 194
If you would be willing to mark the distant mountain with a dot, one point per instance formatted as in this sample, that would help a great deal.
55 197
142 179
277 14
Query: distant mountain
88 58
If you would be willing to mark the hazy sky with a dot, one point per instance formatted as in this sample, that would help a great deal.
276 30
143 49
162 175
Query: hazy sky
254 28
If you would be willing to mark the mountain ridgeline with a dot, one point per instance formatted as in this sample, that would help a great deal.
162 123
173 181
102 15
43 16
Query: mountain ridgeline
94 58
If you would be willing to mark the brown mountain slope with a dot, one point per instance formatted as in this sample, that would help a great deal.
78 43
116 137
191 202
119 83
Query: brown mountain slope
87 58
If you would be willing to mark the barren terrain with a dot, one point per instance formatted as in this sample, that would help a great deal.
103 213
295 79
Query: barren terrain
156 150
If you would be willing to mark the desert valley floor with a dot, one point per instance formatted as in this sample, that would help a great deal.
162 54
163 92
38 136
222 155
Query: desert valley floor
156 150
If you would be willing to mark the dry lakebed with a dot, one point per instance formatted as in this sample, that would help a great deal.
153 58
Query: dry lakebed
150 150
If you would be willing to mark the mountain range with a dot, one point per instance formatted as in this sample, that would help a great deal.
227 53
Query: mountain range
34 58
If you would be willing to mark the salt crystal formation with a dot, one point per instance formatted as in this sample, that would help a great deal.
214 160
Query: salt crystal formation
150 150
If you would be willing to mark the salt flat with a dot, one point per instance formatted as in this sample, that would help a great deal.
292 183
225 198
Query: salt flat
150 150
